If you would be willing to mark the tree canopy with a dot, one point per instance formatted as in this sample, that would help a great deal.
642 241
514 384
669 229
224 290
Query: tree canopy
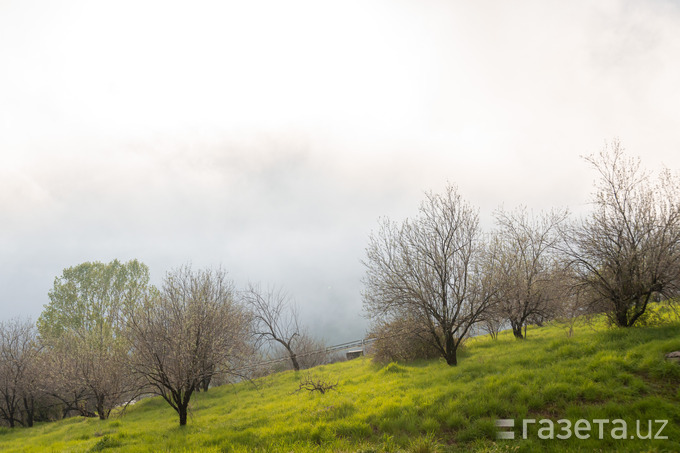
92 296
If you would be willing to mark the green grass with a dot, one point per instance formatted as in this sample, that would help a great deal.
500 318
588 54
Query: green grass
426 406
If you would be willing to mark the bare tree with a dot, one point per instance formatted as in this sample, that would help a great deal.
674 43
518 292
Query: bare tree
60 379
628 249
189 331
18 353
275 319
430 268
88 374
526 264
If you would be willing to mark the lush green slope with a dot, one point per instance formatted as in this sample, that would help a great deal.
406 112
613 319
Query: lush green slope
429 406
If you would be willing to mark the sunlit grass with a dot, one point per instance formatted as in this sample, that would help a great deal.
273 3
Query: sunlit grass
424 406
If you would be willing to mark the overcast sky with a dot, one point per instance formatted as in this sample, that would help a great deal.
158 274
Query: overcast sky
268 137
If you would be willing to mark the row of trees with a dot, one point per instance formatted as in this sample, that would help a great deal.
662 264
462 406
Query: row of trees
440 277
108 337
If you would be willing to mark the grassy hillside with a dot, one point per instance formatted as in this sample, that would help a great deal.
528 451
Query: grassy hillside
599 373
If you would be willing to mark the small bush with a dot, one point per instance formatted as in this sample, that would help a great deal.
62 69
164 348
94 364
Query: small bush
104 443
394 368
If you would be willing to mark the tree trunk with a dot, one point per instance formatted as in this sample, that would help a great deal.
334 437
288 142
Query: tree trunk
621 315
182 401
517 331
293 358
626 317
29 405
182 410
9 413
205 383
100 409
451 349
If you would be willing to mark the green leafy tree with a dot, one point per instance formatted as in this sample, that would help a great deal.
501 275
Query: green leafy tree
92 296
84 322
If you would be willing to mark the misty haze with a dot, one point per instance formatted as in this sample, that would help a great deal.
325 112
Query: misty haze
291 158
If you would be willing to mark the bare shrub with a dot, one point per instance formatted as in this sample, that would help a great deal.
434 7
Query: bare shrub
316 384
402 339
